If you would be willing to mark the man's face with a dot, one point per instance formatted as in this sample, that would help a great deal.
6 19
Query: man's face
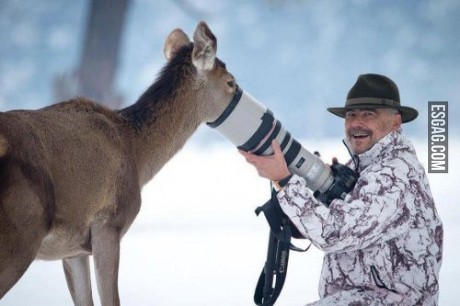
365 127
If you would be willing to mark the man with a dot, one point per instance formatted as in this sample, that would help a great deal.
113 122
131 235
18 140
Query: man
383 242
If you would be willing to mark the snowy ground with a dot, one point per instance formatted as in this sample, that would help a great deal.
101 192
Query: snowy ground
197 241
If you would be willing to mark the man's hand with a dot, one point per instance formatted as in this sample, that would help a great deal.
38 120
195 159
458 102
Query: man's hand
272 167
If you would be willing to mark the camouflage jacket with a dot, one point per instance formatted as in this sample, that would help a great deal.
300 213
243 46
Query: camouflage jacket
383 242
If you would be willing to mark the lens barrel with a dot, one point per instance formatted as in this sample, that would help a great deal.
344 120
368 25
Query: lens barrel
251 126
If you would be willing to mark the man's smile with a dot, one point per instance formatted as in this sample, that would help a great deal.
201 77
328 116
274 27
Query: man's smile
359 134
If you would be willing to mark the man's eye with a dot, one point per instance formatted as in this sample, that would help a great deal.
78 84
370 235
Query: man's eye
368 114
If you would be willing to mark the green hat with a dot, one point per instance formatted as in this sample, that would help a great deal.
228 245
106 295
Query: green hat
374 91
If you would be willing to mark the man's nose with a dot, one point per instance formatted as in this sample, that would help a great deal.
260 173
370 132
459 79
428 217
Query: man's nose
356 121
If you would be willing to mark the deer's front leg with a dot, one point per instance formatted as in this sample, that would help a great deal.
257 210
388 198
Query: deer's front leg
105 242
77 275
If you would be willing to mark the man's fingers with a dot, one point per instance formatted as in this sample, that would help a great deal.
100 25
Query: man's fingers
250 158
242 152
245 154
276 147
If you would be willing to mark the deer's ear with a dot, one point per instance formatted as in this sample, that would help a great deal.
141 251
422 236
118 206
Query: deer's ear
204 51
175 40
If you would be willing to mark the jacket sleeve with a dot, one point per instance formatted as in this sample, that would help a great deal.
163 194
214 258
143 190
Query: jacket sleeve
376 210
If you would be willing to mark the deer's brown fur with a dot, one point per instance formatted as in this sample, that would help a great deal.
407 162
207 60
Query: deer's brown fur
71 173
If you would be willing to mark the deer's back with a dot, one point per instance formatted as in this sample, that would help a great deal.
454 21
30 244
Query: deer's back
79 146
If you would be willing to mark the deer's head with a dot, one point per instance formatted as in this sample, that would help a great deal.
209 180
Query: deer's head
211 83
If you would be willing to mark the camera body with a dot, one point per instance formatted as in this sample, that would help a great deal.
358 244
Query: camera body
251 126
344 182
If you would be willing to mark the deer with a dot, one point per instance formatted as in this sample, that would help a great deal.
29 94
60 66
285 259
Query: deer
71 173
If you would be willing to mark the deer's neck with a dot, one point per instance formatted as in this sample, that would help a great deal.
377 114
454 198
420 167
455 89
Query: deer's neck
160 130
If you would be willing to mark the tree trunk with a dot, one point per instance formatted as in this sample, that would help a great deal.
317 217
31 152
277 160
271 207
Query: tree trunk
95 75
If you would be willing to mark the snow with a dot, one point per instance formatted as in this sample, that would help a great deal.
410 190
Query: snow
197 240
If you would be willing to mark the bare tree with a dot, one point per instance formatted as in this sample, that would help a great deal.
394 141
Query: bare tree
94 77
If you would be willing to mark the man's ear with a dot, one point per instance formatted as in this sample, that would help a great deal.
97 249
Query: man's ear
397 121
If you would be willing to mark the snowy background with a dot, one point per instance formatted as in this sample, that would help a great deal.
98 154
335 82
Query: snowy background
204 245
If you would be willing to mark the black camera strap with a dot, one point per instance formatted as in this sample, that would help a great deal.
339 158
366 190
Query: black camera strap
273 274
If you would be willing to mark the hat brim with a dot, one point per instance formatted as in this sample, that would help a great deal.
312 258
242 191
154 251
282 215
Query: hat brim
407 113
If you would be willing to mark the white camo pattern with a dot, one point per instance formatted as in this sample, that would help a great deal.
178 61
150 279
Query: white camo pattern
383 242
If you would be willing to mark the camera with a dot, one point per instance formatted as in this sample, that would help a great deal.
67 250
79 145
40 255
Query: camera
251 126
